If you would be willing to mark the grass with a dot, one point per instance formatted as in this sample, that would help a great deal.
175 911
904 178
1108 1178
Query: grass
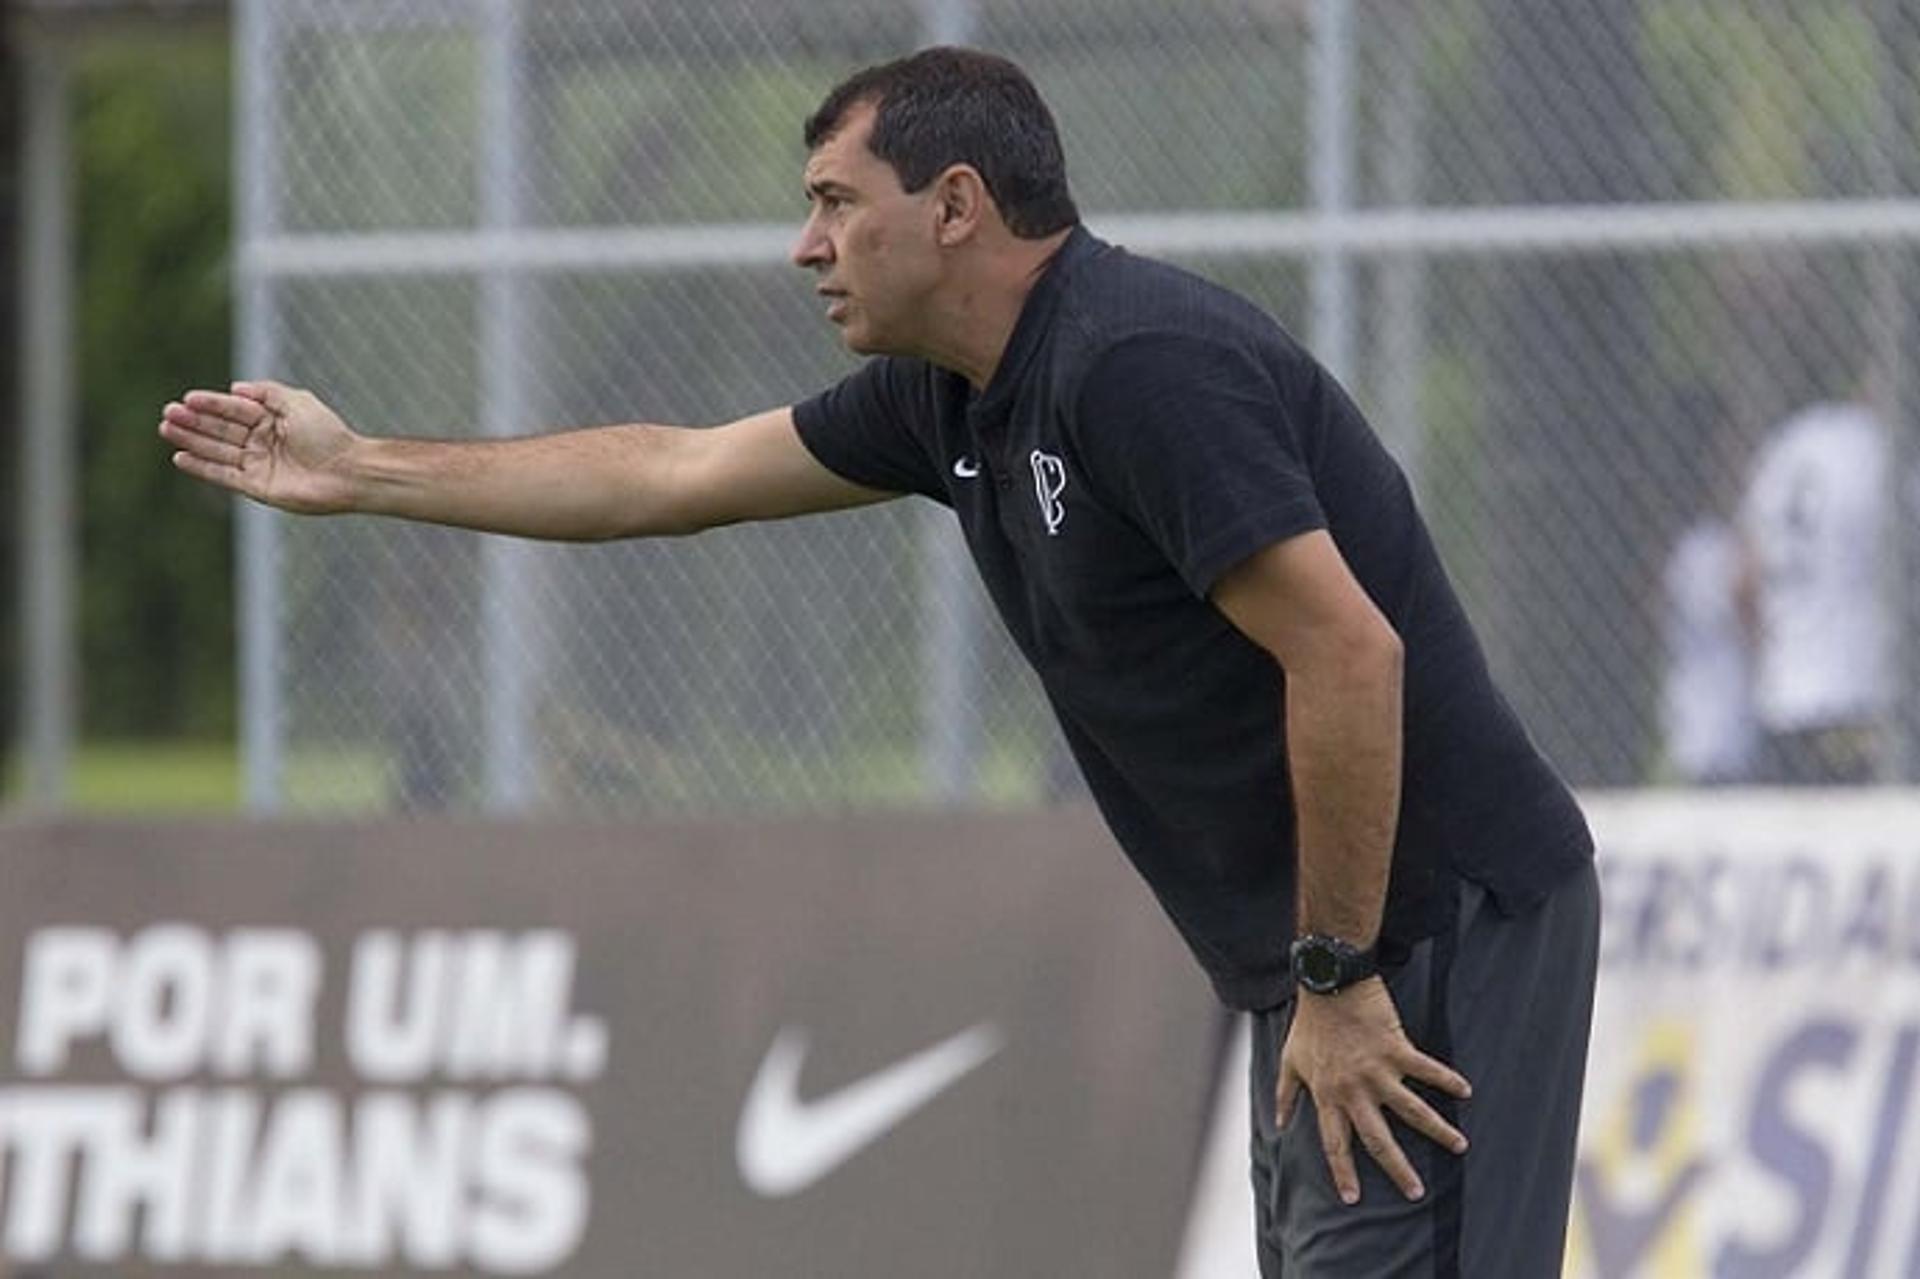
146 777
170 778
202 779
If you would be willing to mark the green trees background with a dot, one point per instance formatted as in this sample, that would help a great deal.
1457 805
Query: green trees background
155 316
9 395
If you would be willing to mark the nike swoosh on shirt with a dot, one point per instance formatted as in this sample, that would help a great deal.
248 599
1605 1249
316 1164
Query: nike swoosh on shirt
785 1145
966 468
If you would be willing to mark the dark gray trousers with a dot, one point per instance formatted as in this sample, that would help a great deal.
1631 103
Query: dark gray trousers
1507 1001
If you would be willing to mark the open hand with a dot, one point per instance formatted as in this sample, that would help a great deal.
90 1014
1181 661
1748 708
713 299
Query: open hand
265 441
1349 1052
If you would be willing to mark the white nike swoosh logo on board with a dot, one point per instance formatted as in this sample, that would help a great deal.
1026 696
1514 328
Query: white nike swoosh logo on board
785 1145
966 468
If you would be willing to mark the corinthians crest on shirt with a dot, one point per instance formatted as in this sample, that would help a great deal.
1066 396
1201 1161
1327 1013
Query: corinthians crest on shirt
1049 482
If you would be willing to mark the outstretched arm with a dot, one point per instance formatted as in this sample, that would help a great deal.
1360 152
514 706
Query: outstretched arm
287 449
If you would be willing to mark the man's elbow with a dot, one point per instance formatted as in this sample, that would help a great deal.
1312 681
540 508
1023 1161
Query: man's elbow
1380 653
1393 651
655 484
657 521
1369 654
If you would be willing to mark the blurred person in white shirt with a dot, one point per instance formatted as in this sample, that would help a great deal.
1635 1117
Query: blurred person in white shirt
1814 521
1712 737
1709 731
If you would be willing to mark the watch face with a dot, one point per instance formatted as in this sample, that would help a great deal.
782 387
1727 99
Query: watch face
1317 967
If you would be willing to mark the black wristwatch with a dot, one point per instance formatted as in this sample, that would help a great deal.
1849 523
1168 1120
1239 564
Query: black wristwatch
1323 965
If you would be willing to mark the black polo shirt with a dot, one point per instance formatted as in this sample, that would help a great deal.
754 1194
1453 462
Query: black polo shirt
1144 432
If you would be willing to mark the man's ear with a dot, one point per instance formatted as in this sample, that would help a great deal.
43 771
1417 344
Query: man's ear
960 204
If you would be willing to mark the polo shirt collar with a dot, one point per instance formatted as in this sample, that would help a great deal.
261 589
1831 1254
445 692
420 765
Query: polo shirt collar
1035 314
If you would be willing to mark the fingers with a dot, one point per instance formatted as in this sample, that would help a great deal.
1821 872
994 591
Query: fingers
210 431
1437 1073
208 448
1425 1120
1366 1122
1377 1140
227 477
181 425
1360 1116
1336 1141
210 409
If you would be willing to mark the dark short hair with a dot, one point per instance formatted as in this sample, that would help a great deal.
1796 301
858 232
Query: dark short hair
947 106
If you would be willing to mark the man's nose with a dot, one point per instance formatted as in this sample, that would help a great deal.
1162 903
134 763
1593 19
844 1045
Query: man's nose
811 248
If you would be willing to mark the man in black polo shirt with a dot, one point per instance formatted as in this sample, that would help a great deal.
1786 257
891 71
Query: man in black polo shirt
1233 605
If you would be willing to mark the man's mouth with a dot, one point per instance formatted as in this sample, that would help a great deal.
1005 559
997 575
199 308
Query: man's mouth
836 303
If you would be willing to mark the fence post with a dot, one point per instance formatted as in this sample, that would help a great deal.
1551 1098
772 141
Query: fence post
49 529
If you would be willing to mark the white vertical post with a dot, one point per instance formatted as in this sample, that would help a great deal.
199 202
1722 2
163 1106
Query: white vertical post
258 528
1333 56
509 566
951 726
48 530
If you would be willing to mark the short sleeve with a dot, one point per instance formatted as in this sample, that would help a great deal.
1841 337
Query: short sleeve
1194 440
869 427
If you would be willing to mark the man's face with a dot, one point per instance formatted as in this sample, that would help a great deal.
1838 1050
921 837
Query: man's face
871 242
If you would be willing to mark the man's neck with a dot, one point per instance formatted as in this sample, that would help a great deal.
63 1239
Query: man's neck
971 329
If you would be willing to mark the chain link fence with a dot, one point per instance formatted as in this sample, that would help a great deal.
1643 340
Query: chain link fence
1576 258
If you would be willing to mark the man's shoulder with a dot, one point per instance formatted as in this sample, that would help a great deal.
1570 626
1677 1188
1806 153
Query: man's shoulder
1118 295
1127 311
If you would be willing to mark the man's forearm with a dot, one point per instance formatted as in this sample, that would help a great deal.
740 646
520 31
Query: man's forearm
1344 745
576 486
